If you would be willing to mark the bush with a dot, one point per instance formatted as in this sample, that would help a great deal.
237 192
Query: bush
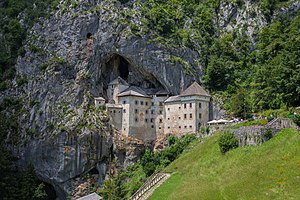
228 141
268 134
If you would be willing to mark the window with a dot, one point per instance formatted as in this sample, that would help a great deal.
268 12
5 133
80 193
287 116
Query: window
136 110
142 103
146 111
152 120
200 115
168 127
168 108
124 102
191 126
152 126
191 116
185 126
191 105
146 103
159 128
168 118
160 120
119 111
160 103
179 117
111 111
136 102
160 112
146 120
200 105
152 103
179 127
185 105
184 116
136 119
124 129
124 110
112 86
179 107
152 111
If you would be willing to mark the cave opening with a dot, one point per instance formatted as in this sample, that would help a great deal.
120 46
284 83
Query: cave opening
116 66
123 68
94 176
88 36
50 191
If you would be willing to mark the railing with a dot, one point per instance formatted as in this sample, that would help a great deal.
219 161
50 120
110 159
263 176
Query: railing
272 122
153 180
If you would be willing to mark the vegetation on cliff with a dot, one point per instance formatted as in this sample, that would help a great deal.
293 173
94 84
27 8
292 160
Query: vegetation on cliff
269 171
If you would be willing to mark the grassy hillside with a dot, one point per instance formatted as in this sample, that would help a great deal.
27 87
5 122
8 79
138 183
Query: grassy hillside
269 171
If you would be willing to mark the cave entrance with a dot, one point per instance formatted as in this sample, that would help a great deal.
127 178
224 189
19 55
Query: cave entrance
94 177
50 191
123 68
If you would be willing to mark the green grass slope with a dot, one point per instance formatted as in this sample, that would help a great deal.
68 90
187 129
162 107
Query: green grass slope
269 171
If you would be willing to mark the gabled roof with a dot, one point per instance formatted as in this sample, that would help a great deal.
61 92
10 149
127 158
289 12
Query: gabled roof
99 98
173 99
194 89
134 91
118 81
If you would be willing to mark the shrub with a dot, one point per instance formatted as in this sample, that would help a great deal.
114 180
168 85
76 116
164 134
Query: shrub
268 134
228 141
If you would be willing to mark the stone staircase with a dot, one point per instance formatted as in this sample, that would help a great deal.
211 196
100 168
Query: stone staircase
154 181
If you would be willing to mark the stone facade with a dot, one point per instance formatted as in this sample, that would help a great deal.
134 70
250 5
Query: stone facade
145 115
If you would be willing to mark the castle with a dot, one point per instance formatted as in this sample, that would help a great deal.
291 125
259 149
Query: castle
145 114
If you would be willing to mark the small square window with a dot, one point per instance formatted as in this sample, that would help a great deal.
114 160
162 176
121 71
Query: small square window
160 103
146 103
191 126
184 116
168 108
179 127
185 105
124 102
152 120
200 115
159 128
191 105
152 126
185 126
191 116
160 112
152 103
160 120
179 108
136 102
179 117
146 120
136 119
114 111
168 127
146 111
200 105
142 103
136 110
152 111
124 110
168 118
124 129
